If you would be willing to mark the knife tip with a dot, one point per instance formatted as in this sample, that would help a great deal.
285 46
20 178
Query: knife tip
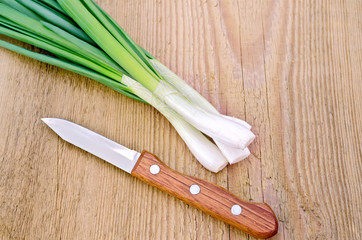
46 120
52 121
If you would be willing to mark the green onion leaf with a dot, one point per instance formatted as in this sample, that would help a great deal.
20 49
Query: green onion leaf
89 50
120 35
17 6
54 5
56 19
108 43
117 86
59 51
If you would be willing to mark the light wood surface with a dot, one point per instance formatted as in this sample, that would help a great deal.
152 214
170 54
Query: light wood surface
292 69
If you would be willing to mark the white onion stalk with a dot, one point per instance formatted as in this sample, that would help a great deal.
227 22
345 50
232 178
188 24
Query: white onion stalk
213 125
190 93
202 148
232 154
234 119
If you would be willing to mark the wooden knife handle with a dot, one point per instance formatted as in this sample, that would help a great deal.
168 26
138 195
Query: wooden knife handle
256 219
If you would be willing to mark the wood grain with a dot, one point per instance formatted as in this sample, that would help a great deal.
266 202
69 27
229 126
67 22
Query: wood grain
292 69
256 219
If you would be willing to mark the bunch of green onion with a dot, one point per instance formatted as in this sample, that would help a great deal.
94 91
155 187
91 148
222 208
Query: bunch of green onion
79 36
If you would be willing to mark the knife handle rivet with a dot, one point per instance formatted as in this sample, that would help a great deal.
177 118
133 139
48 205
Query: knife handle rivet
236 209
155 169
195 189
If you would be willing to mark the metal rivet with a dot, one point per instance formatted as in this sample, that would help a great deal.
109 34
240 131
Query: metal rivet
195 189
236 210
154 169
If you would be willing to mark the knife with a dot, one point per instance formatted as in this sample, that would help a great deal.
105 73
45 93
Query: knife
256 219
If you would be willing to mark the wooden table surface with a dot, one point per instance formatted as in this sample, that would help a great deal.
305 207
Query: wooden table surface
292 69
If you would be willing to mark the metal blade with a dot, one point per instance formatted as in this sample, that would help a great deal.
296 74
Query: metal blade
94 143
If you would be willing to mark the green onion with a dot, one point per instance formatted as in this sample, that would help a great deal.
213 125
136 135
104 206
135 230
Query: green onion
81 37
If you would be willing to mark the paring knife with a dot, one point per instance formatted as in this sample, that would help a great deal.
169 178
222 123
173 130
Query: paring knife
256 219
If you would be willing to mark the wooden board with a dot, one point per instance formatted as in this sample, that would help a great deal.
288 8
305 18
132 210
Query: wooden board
292 69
